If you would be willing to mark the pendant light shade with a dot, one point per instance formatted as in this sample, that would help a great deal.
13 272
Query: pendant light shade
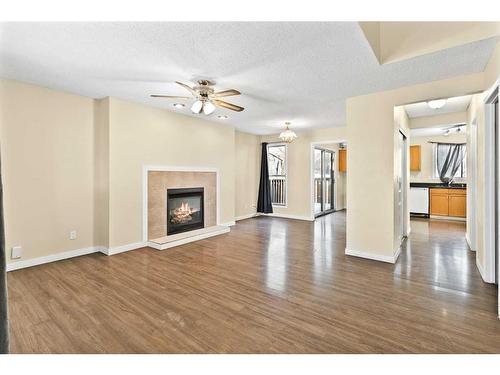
288 135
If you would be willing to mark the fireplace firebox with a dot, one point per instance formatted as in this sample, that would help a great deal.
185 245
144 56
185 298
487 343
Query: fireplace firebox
184 210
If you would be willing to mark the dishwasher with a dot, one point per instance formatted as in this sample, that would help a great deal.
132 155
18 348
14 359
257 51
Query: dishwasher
419 200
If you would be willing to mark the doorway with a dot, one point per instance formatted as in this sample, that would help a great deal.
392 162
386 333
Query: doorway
324 181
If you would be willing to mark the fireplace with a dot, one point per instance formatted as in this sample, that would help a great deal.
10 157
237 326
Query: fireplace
184 210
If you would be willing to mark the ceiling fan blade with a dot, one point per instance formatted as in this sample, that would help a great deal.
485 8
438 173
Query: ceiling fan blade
170 97
190 89
230 92
232 107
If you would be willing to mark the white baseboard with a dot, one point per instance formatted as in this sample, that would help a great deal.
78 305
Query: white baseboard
51 258
482 273
293 217
243 217
468 242
228 224
381 258
123 248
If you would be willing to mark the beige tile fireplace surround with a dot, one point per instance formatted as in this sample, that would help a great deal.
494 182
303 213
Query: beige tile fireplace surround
160 181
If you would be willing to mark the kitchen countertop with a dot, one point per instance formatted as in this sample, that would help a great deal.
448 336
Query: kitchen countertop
438 185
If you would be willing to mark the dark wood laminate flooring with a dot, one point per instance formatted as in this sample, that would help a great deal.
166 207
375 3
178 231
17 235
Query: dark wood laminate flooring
269 286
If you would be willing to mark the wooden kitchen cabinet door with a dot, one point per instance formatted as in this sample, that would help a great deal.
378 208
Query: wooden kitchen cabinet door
342 160
415 158
457 205
439 202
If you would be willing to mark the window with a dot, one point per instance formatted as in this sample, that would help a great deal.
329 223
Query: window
446 150
277 167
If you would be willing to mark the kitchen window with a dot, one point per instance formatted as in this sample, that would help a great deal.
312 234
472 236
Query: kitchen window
277 167
442 151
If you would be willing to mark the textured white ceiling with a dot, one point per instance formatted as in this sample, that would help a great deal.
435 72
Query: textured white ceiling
422 109
301 72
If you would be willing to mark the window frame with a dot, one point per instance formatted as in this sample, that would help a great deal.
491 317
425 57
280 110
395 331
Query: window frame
275 144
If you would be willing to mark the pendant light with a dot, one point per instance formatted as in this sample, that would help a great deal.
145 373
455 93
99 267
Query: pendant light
287 135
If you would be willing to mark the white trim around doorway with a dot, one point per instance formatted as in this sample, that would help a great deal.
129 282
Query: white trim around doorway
490 221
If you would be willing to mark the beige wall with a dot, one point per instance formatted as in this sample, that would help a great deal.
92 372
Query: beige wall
370 218
427 155
439 120
247 173
101 173
299 168
74 163
47 169
370 131
141 135
394 41
403 40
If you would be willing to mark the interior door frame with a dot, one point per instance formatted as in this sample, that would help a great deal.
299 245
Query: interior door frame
405 173
472 188
311 172
333 187
490 165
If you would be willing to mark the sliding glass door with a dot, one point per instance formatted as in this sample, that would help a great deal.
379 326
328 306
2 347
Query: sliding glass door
324 180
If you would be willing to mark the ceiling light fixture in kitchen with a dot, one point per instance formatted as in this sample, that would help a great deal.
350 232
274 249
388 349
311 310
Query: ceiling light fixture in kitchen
436 104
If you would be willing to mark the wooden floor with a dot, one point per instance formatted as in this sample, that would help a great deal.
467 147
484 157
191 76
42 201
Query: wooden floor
270 286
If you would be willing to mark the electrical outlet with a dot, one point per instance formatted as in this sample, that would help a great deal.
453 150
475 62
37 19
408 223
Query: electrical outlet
17 252
72 235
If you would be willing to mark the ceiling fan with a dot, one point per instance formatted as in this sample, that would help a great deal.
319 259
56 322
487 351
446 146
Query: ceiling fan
206 97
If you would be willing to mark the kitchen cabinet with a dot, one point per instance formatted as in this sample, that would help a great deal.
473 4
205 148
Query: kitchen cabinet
457 202
342 160
415 158
448 202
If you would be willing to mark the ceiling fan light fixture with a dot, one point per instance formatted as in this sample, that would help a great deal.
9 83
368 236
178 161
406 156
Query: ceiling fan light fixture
197 106
436 104
288 135
208 108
